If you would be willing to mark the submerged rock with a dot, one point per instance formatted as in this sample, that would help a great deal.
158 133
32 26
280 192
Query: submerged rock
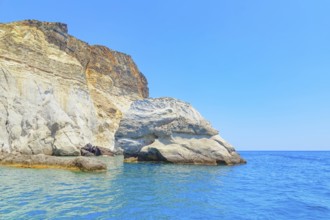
167 129
45 161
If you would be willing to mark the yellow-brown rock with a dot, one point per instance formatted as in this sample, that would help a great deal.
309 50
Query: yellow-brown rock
58 93
42 161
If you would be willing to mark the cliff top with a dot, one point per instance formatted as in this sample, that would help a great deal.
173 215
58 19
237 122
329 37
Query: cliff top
58 27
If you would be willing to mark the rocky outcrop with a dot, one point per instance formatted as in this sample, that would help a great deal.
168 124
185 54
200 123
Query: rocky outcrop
45 161
58 93
166 129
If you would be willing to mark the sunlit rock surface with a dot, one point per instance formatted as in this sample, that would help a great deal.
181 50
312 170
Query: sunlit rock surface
42 161
58 93
167 129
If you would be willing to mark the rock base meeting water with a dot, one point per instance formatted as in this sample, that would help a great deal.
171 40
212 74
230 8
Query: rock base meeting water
41 161
61 96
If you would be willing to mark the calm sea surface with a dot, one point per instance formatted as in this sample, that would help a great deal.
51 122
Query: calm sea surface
273 185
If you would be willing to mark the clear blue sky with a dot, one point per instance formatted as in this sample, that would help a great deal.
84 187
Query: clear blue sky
258 70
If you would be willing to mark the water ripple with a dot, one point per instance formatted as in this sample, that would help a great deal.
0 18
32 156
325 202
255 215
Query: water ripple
273 185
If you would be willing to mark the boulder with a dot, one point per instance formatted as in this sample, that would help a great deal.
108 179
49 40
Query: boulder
90 150
170 130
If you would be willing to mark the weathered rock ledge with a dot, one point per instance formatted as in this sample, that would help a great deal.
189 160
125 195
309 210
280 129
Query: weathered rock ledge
42 161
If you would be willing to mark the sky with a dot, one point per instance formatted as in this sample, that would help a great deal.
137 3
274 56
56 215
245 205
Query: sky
258 70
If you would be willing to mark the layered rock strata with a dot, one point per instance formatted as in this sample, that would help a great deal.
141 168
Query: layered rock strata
169 130
63 97
58 93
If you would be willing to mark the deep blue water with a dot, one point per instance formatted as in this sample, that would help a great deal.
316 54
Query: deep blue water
273 185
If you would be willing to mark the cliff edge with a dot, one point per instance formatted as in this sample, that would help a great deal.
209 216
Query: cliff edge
58 93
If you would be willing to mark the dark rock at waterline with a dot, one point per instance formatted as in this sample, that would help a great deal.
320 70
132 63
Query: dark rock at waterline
90 150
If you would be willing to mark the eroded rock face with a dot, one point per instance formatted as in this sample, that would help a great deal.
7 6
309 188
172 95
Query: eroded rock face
58 93
167 129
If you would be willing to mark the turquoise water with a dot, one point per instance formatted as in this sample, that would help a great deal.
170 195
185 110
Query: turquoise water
273 185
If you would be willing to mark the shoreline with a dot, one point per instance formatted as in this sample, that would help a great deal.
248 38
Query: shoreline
40 161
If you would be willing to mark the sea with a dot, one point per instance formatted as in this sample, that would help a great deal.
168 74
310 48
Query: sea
272 185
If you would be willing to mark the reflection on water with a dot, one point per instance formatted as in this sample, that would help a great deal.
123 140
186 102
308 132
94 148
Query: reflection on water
279 183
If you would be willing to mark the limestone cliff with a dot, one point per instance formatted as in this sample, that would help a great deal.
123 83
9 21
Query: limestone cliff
58 93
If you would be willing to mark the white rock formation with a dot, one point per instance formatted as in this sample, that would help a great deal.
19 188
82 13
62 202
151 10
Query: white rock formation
167 129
